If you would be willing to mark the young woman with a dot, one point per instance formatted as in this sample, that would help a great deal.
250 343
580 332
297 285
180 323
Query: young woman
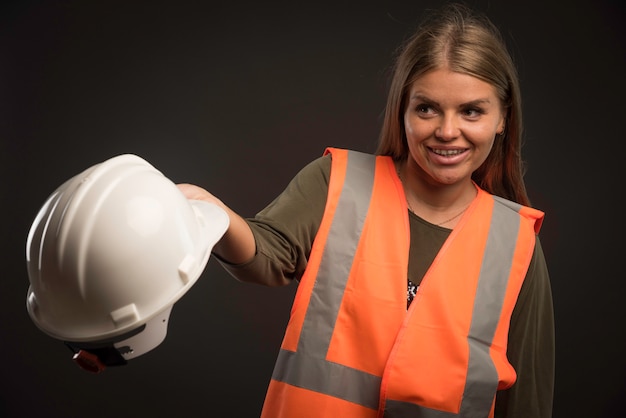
423 289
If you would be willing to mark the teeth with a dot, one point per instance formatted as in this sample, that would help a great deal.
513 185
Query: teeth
448 152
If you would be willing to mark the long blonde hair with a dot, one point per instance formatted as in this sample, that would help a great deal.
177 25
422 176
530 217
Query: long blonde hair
467 42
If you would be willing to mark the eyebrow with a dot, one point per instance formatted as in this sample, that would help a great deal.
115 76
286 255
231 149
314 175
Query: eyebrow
424 98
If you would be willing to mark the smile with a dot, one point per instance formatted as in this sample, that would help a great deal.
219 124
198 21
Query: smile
448 152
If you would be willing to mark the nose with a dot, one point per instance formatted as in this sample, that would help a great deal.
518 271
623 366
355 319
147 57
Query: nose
447 129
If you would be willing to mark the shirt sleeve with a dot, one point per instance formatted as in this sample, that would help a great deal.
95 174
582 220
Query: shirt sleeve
284 230
531 347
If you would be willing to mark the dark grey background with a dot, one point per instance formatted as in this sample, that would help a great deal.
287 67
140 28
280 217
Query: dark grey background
236 97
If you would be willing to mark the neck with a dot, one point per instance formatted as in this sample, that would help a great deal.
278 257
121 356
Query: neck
442 205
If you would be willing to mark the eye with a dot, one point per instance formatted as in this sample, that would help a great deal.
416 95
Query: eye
473 112
424 109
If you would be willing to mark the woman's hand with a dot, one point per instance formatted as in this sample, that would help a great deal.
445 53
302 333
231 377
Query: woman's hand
237 246
193 192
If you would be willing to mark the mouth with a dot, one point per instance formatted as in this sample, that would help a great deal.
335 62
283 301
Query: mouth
448 152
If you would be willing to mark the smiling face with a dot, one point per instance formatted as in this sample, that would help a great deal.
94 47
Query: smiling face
450 121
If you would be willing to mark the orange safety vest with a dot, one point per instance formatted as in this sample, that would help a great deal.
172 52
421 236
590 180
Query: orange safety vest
352 349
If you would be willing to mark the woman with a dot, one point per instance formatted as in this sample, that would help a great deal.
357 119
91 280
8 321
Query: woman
423 289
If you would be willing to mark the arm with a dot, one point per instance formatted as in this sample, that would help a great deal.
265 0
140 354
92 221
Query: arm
531 347
273 247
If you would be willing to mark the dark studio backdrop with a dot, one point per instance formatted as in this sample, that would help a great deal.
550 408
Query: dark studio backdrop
237 97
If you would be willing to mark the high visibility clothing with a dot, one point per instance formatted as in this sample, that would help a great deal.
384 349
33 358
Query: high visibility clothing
351 347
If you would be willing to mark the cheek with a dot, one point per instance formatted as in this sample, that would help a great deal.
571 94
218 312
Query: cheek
408 130
485 148
415 128
482 136
488 147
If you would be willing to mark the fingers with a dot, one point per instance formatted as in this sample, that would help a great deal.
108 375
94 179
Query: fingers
193 192
187 189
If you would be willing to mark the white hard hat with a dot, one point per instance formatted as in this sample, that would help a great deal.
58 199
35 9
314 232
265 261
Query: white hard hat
110 252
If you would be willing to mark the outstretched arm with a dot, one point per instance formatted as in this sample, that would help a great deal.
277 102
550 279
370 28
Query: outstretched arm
237 246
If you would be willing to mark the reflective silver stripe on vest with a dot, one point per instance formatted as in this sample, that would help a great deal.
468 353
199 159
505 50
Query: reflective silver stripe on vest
308 367
482 378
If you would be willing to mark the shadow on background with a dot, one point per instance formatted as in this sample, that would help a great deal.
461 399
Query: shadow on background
237 97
